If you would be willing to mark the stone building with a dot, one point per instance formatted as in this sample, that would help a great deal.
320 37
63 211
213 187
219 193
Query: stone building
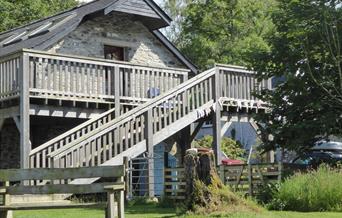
99 82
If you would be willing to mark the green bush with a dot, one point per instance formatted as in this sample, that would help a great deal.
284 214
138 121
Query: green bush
317 190
230 147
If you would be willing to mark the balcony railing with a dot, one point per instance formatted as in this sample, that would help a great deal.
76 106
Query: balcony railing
66 77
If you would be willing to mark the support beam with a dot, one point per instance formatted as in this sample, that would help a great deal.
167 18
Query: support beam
225 128
25 147
270 154
237 117
149 148
67 112
196 130
17 123
254 125
217 117
9 112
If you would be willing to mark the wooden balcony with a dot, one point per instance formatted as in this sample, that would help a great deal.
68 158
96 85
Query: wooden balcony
64 78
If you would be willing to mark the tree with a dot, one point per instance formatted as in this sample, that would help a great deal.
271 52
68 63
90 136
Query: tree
222 31
176 9
14 13
306 53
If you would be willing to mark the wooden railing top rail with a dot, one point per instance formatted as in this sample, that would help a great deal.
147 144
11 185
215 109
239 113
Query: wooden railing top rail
71 131
59 173
140 109
88 60
234 68
91 60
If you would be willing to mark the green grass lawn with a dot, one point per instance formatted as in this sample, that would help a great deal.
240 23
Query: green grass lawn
149 211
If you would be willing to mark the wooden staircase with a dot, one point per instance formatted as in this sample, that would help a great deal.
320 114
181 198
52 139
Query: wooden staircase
107 139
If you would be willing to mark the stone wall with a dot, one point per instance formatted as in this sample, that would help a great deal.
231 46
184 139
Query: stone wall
42 130
117 29
9 146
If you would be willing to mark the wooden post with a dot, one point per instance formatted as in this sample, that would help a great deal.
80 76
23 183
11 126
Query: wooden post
149 148
222 174
217 118
117 90
121 203
111 209
25 147
125 161
7 201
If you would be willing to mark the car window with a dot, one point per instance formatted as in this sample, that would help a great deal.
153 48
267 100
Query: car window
304 160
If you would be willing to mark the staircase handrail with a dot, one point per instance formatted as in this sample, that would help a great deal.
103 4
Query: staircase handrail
71 131
141 109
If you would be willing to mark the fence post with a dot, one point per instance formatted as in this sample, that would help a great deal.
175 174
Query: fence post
250 180
126 168
222 174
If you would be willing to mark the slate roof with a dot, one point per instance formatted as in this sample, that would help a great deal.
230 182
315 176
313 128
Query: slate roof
46 32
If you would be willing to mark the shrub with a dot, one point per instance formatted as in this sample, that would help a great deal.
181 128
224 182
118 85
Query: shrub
229 146
317 190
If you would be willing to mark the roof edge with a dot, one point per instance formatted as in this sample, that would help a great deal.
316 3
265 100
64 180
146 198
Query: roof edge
173 49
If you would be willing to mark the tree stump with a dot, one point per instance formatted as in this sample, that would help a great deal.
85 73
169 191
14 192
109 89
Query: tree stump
205 191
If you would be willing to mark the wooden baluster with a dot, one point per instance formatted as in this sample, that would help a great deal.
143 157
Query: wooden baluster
137 129
120 139
134 83
116 141
117 90
193 100
87 156
174 110
224 85
110 144
126 135
142 126
201 92
93 146
105 147
131 132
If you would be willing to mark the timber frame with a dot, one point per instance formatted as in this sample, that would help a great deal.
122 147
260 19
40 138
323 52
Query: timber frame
57 186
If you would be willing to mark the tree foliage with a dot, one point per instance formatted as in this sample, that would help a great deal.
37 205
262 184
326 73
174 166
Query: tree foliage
14 13
306 53
221 31
176 9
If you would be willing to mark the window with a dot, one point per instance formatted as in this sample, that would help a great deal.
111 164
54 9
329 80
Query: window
40 30
14 38
114 53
